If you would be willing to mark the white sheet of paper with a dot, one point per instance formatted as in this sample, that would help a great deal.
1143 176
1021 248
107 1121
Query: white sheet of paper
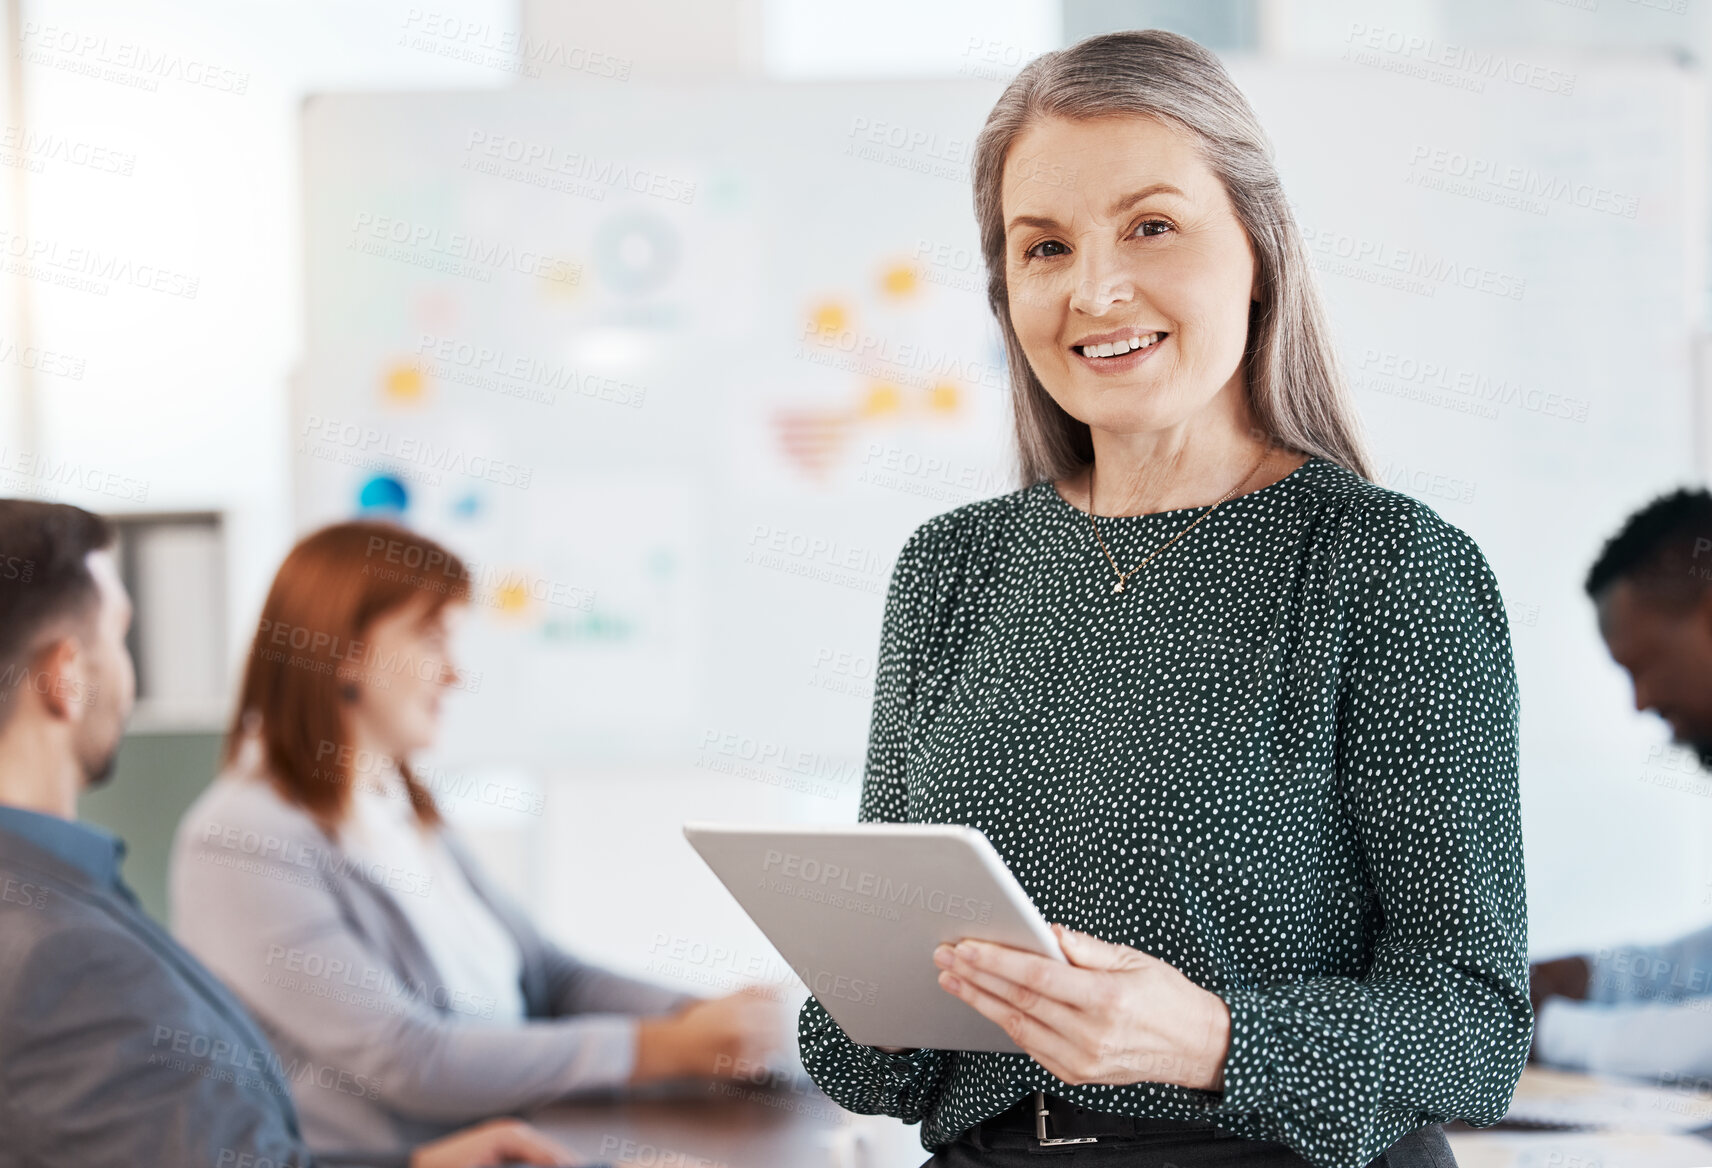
1572 1099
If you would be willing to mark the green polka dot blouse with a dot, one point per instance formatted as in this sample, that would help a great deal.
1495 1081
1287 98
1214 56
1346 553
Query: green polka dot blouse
1282 759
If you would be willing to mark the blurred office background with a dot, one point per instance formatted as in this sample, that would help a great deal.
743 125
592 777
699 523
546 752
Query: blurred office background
669 317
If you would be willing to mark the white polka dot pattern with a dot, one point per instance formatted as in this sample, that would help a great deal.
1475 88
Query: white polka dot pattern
1283 759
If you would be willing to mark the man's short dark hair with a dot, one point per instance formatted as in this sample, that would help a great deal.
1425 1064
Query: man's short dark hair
44 576
1664 550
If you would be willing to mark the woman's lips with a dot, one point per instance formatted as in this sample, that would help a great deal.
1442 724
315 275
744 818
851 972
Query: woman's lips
1123 364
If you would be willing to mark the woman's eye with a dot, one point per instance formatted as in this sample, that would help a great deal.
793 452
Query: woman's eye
1034 252
1142 228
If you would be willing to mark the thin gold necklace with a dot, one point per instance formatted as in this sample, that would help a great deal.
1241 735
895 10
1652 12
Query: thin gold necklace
1122 576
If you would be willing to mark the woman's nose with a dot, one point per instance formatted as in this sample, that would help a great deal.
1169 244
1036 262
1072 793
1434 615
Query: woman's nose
1100 283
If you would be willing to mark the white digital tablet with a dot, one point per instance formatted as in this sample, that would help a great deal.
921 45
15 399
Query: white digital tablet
857 909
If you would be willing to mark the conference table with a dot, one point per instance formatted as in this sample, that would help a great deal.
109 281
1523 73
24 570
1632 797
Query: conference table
774 1123
787 1122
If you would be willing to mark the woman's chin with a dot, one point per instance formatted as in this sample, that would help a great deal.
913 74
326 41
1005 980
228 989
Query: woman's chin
423 738
1134 414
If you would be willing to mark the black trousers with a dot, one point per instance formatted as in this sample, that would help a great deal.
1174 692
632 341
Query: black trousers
1008 1141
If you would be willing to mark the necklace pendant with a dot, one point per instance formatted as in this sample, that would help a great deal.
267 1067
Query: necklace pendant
1118 587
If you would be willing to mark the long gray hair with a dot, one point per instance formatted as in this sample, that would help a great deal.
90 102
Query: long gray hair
1296 385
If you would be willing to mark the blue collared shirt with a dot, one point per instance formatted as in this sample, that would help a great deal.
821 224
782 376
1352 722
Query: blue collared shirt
92 851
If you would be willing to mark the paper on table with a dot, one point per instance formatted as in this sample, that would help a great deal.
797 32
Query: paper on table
1572 1099
1502 1149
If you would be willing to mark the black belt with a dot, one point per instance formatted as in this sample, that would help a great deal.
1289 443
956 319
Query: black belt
1054 1121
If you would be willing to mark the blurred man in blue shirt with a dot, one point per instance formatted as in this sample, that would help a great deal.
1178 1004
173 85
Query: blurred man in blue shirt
1646 1010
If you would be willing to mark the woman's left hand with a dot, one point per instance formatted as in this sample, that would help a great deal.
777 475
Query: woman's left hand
1112 1015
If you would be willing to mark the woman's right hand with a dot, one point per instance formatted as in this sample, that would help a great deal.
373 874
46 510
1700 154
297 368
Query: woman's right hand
720 1037
498 1141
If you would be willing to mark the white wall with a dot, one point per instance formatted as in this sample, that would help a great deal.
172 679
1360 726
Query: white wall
181 403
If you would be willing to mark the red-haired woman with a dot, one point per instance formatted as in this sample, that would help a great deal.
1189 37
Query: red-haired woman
405 994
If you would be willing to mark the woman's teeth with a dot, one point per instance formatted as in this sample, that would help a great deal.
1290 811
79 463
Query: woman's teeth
1119 348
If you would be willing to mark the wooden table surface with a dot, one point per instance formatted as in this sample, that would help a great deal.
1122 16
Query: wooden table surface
729 1124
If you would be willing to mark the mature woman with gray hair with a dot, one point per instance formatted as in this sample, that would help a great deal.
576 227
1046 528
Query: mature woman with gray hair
1242 721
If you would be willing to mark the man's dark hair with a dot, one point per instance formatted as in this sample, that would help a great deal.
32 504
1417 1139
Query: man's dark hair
43 574
1664 550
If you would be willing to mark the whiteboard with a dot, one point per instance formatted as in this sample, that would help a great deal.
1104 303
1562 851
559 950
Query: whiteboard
762 358
680 369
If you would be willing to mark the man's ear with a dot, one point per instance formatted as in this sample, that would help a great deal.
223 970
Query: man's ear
58 676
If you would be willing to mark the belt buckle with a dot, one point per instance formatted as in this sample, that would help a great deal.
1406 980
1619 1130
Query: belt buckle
1046 1141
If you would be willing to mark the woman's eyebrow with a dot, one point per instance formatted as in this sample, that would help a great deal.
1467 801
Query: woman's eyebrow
1119 205
1127 201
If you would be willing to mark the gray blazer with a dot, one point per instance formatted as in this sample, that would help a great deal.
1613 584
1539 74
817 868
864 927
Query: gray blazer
116 1047
319 950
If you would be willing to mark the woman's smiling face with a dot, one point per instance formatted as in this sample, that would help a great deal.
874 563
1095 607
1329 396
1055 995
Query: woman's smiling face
1116 230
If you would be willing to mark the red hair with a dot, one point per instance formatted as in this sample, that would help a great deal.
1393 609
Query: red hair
309 650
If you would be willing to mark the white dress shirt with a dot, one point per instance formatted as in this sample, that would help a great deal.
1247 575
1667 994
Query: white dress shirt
479 963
